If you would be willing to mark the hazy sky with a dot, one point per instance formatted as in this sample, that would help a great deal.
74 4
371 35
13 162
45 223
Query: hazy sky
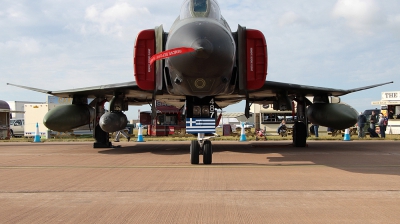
64 44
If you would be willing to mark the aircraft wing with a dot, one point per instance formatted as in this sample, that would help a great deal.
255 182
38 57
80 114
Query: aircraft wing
133 93
275 87
136 96
267 94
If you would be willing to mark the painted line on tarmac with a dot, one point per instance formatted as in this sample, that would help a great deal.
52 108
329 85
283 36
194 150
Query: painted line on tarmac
196 166
203 191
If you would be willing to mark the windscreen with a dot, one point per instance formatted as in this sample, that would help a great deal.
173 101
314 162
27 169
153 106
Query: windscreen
200 5
200 8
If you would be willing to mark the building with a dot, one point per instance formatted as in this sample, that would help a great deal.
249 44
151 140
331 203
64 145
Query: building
168 120
390 107
35 112
17 108
268 119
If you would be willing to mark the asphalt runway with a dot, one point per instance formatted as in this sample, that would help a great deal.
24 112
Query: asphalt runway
154 182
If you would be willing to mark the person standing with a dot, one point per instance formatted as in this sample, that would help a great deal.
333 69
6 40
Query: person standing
316 126
373 121
391 114
382 127
361 124
372 125
121 132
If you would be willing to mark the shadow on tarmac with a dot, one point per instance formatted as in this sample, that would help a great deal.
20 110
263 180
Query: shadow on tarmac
369 157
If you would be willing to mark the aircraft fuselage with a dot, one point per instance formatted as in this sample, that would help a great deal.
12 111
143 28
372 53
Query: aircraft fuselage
208 70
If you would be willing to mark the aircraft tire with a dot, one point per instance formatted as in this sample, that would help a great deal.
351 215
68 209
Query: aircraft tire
207 152
194 152
299 134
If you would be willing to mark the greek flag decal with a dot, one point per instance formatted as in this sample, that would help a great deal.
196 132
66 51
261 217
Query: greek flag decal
200 125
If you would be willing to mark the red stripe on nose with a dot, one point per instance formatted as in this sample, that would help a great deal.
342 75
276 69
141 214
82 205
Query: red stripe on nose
170 53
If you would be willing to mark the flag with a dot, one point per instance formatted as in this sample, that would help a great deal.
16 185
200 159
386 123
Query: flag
200 125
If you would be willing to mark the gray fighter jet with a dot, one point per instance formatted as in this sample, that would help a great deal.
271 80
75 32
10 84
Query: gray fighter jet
202 66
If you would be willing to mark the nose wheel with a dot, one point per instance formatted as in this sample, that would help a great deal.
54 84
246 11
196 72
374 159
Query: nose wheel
207 152
195 147
194 152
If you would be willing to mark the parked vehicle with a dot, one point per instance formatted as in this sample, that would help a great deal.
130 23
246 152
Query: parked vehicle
17 127
368 113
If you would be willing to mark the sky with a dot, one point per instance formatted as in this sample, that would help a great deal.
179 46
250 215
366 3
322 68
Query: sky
66 44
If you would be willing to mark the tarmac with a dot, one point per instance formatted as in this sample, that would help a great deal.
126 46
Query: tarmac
154 182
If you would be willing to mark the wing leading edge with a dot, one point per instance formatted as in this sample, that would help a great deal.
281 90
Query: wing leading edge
132 92
271 89
136 96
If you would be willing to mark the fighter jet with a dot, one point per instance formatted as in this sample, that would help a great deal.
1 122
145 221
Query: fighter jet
202 66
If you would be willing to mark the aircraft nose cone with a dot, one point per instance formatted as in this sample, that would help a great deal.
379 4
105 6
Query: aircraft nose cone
204 48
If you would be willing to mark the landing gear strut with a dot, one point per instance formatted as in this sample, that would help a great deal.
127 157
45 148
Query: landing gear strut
102 138
299 134
300 130
200 119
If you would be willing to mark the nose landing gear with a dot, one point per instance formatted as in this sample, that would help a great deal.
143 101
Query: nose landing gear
201 146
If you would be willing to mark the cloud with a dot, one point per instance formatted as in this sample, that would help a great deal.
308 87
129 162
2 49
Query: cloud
14 13
290 18
116 13
394 24
360 15
110 21
23 45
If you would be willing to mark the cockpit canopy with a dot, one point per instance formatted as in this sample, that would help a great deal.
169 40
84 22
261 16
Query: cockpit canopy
200 8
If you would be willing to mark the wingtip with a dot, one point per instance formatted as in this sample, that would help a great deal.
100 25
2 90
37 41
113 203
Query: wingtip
29 88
